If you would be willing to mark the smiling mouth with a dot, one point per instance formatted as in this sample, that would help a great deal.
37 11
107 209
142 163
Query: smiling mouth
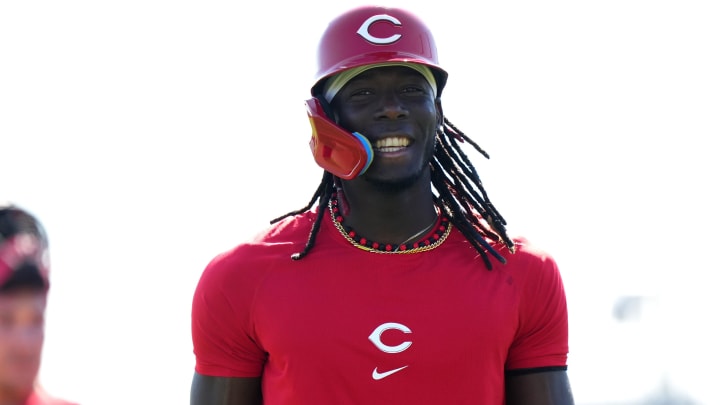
391 144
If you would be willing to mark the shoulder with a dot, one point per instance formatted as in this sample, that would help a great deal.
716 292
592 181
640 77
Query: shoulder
529 261
57 401
274 240
41 397
525 250
272 245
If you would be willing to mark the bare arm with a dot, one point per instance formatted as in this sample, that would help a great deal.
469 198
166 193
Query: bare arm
542 388
207 390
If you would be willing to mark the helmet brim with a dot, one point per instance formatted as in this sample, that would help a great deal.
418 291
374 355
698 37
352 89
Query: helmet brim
379 58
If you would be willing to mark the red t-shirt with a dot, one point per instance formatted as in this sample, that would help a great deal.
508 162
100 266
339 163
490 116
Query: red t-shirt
343 325
40 397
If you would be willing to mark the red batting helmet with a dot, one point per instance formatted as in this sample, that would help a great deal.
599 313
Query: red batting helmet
371 34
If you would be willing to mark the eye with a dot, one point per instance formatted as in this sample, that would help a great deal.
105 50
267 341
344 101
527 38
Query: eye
360 92
412 89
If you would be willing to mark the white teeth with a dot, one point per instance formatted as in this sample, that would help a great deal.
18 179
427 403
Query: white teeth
394 143
390 149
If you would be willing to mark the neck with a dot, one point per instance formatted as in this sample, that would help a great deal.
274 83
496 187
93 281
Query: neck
429 240
392 216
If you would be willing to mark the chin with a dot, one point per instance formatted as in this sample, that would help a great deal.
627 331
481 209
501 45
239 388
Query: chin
394 184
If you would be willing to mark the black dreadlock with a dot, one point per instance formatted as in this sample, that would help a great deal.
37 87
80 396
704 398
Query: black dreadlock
460 193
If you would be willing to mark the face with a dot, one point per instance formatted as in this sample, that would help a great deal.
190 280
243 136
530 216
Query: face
22 331
395 108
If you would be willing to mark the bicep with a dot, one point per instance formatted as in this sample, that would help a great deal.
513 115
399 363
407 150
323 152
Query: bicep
207 390
541 388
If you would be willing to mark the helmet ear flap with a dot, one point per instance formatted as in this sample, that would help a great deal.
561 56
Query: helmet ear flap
344 154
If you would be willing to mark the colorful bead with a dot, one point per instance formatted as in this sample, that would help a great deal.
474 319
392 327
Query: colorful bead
437 235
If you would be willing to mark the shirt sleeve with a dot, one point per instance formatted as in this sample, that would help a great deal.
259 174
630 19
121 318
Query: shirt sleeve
222 324
542 336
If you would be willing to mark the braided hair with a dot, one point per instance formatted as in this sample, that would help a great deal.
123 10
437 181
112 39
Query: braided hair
459 193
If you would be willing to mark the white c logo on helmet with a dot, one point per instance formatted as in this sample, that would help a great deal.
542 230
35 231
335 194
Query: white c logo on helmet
377 333
363 30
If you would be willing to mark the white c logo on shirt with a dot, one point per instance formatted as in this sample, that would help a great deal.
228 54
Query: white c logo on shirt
365 33
377 334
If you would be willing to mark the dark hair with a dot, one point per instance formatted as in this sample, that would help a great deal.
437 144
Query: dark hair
27 274
459 193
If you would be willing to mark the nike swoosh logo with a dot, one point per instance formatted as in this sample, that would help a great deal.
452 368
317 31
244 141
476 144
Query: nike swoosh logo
380 376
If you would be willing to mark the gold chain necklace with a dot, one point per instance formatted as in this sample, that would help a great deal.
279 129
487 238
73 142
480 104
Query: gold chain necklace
420 232
426 244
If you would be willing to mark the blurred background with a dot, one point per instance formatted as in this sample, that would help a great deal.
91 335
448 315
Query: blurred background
148 136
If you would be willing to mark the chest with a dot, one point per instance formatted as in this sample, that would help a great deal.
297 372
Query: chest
376 309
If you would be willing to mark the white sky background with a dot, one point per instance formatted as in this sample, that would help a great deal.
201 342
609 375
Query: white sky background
150 135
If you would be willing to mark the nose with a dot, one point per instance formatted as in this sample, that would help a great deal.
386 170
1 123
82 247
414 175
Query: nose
391 107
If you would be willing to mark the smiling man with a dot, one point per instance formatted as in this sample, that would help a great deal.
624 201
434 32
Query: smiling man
397 283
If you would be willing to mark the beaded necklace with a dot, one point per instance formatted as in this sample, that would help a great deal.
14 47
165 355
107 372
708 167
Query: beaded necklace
435 238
